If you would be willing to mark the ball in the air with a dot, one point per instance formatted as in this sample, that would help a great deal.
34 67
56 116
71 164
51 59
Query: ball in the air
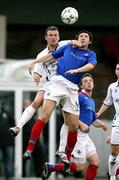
69 15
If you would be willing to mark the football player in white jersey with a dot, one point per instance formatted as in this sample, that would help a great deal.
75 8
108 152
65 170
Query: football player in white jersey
48 69
113 98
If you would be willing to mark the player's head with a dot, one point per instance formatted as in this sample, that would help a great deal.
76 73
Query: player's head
85 37
52 35
87 82
117 70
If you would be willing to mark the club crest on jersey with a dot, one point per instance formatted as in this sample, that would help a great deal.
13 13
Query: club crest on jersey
48 93
86 97
78 57
86 54
77 105
117 100
78 152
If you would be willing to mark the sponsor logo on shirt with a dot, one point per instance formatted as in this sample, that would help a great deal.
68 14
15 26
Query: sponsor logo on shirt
77 57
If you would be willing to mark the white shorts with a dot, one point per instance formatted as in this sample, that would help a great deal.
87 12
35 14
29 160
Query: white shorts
115 136
64 93
44 86
83 149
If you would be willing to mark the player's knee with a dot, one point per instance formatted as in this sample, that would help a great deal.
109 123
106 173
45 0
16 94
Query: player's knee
45 117
95 162
73 127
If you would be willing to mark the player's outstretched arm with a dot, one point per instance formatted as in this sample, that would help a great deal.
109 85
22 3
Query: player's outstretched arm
103 108
86 68
99 124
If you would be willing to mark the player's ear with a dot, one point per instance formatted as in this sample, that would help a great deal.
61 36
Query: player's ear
46 38
59 38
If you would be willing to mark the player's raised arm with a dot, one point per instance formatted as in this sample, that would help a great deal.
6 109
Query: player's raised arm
42 59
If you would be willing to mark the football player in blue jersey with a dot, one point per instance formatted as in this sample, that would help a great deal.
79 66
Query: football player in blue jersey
84 148
72 62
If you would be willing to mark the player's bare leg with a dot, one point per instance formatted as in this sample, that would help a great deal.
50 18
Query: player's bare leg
47 109
68 138
92 168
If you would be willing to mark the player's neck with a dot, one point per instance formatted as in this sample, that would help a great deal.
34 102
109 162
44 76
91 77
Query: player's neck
52 47
89 93
83 48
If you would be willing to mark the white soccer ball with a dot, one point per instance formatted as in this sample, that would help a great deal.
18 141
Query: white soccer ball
69 15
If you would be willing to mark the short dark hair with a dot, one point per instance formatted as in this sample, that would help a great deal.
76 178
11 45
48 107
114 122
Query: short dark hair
51 28
87 32
86 75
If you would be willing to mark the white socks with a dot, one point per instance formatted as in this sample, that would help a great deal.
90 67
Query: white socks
63 138
26 116
113 165
112 177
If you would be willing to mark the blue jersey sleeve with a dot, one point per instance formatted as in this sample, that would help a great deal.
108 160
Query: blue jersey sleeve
60 52
92 58
94 117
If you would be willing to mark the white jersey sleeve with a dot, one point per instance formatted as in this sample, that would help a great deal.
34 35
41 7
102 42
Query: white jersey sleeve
109 99
39 69
113 98
62 43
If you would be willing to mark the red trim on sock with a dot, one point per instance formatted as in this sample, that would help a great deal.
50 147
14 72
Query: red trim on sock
58 168
91 172
117 172
35 133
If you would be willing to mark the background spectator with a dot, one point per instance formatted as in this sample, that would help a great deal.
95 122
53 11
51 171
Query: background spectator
6 144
